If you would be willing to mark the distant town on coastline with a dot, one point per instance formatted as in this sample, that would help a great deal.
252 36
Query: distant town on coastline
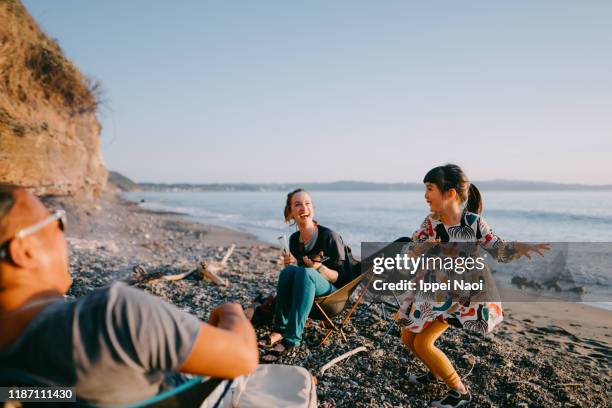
491 185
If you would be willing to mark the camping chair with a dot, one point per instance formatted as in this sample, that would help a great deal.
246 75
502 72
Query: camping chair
329 306
189 394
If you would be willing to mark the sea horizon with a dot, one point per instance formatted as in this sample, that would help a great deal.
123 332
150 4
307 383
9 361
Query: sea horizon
354 185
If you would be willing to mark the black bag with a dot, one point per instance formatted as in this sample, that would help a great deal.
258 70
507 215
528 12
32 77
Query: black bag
264 312
352 267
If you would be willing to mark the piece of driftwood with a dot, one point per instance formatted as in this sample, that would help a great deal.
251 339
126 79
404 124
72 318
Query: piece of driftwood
472 360
219 267
340 358
139 273
210 269
177 276
228 254
208 274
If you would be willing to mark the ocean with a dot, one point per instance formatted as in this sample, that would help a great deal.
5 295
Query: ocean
551 216
528 216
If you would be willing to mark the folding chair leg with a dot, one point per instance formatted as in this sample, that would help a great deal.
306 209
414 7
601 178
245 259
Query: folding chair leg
367 309
389 329
328 320
348 315
399 305
329 333
357 302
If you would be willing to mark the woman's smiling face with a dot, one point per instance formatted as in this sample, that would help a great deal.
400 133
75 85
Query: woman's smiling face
302 210
434 197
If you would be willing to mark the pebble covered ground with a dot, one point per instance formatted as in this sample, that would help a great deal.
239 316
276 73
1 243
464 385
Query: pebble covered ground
520 365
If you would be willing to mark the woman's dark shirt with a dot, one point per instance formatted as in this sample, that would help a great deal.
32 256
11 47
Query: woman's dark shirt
328 241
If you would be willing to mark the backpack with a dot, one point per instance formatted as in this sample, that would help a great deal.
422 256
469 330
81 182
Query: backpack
270 385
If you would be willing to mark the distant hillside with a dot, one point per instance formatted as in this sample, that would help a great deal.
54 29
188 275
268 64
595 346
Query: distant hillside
49 133
121 182
492 185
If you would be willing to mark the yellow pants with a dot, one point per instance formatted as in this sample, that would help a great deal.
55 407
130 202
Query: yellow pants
422 345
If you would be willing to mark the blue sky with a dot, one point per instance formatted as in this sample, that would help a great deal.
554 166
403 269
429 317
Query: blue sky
277 91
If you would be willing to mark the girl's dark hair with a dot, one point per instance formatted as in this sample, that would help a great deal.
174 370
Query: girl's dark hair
287 211
451 176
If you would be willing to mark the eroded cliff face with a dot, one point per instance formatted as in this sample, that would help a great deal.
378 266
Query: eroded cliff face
49 133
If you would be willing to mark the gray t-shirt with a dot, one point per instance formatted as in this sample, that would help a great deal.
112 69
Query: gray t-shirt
114 346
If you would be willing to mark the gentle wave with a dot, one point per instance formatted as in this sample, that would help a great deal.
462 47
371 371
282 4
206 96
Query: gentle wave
549 216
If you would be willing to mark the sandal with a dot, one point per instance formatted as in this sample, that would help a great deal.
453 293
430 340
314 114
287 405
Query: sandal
267 342
453 400
277 351
422 379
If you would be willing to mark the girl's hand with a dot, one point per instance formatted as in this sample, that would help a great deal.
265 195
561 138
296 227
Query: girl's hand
313 264
288 258
523 249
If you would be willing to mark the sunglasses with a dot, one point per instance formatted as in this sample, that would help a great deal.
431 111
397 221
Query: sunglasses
59 216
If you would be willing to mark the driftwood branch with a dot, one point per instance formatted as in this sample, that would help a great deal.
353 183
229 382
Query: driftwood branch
472 361
175 277
210 269
139 273
207 272
228 254
340 358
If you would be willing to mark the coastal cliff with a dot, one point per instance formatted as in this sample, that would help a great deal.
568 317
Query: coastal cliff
49 133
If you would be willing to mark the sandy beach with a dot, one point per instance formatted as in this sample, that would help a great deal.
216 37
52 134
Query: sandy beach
561 355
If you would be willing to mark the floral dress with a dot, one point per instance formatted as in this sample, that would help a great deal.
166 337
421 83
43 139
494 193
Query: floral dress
473 310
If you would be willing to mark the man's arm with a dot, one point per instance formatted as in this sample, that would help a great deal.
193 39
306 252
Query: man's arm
226 347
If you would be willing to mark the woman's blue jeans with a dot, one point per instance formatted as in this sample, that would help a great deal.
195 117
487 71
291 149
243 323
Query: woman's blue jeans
297 287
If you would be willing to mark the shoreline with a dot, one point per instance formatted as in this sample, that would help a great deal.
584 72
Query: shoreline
525 361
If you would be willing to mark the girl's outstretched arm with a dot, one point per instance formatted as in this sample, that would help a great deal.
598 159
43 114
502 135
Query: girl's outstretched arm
505 251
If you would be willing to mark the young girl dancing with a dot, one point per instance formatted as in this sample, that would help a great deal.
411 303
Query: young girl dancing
455 206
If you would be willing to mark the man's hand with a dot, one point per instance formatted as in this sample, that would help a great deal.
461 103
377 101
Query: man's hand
226 347
223 311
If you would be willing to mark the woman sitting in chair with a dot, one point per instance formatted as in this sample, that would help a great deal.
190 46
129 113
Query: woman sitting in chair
314 267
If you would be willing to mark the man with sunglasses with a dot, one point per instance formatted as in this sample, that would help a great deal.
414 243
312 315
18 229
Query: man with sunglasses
115 346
